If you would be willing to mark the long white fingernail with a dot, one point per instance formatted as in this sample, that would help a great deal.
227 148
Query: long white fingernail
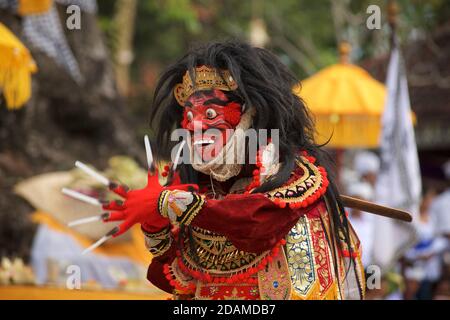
177 157
148 151
80 196
96 244
91 172
84 220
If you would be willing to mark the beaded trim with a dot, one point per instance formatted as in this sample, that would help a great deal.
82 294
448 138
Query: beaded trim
304 190
183 284
216 254
157 235
158 243
244 274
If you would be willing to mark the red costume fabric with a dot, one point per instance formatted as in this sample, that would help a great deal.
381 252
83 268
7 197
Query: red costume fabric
266 232
252 222
259 230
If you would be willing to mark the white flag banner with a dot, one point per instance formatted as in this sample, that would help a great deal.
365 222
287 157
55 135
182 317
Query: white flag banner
399 183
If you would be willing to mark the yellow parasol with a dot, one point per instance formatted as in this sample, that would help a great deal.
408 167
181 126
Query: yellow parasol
16 66
347 104
27 7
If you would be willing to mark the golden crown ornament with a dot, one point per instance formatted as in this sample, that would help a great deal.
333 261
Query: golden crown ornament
206 78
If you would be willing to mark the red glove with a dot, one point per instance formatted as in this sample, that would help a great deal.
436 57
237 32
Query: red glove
141 206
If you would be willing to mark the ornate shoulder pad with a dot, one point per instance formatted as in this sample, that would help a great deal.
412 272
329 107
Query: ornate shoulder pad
307 184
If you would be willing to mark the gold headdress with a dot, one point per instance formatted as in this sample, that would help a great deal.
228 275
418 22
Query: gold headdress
205 78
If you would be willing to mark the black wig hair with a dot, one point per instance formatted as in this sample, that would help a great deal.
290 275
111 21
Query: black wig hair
265 84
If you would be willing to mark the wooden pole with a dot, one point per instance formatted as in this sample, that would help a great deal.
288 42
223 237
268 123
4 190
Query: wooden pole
377 209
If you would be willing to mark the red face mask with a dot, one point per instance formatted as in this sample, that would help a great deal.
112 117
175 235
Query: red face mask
210 110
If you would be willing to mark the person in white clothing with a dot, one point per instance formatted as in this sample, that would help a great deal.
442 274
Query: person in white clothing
424 260
440 208
367 165
362 222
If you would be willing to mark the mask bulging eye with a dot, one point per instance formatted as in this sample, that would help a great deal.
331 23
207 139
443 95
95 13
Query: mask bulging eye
189 115
211 113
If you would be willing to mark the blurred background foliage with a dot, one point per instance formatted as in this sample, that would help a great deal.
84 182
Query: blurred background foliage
303 33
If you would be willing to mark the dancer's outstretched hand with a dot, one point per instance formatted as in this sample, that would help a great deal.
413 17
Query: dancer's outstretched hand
141 206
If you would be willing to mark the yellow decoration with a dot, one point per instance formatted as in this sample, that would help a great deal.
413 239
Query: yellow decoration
27 7
21 292
16 64
347 104
315 294
134 250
